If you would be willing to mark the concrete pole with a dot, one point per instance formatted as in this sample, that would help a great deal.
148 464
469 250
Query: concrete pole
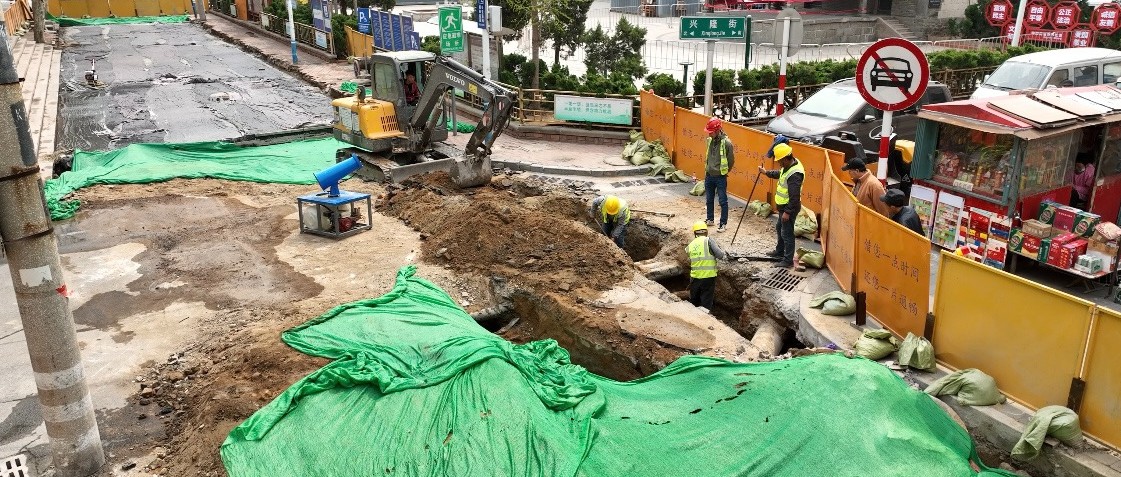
41 295
1019 22
486 40
711 47
40 20
783 51
292 32
885 147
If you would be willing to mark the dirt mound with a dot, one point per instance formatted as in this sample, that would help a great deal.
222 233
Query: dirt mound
505 228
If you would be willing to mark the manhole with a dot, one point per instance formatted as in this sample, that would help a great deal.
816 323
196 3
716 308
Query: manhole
15 466
782 279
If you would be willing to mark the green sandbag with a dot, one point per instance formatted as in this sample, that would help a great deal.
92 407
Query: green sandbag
760 208
628 150
971 387
835 303
917 353
679 176
812 258
876 344
658 158
1055 421
662 169
636 135
640 158
698 189
805 225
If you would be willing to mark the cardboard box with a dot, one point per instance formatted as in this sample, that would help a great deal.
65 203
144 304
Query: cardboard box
1061 238
1036 228
1047 211
1031 245
1104 248
1064 218
1084 223
1079 246
1089 264
1060 257
1107 261
1044 250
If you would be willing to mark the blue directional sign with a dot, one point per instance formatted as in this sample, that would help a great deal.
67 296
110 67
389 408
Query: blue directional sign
375 28
414 41
386 30
481 13
364 20
398 43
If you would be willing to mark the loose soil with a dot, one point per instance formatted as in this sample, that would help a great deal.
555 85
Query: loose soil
235 248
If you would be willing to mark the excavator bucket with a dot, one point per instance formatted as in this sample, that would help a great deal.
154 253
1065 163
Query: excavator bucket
471 172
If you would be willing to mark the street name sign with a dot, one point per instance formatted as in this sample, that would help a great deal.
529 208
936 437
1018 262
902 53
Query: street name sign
713 28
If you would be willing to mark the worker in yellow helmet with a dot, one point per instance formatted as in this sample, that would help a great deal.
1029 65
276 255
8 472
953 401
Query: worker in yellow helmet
612 215
788 198
703 252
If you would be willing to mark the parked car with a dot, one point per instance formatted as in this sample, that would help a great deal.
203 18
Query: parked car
1053 68
839 107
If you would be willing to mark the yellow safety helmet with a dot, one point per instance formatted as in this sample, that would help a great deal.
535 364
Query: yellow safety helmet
611 205
782 150
700 225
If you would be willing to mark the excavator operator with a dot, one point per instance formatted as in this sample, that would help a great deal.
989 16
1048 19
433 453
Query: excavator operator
412 91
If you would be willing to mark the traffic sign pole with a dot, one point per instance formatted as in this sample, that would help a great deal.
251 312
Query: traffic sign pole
486 37
292 31
710 45
783 51
885 147
1019 22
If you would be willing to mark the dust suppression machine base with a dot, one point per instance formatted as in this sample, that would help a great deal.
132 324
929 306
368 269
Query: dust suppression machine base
335 217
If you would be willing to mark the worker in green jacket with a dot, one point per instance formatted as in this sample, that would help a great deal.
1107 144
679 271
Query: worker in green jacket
612 215
703 252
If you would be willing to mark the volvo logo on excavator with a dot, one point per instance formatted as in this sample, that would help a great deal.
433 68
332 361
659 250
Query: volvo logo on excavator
456 80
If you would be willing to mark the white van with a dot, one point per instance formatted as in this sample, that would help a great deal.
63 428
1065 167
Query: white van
1053 68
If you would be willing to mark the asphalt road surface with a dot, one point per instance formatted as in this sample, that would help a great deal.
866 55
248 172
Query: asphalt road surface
173 83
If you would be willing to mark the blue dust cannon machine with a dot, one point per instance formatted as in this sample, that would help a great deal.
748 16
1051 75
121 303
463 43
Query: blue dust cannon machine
334 213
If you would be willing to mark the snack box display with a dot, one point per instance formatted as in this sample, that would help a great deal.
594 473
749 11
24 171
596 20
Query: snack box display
1084 224
1047 211
1036 228
1064 218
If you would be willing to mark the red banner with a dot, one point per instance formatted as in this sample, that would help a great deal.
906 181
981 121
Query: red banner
1037 13
1065 15
999 12
1046 36
1082 36
1105 19
1008 30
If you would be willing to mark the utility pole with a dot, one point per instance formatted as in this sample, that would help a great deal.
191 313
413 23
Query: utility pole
40 19
41 295
292 32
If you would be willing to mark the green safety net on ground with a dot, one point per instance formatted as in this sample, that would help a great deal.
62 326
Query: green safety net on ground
67 21
417 388
288 163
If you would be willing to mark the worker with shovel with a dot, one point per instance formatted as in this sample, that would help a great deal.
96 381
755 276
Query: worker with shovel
612 215
703 252
788 194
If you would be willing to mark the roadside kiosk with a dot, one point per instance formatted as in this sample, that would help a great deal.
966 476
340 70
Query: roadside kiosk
986 169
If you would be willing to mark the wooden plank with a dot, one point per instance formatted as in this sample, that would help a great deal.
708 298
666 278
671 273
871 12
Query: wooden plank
74 8
147 8
123 8
39 95
98 8
50 118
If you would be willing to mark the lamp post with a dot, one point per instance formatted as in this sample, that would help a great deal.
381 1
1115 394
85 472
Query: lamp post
685 75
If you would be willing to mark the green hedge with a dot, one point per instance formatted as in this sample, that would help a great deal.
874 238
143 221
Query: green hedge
827 71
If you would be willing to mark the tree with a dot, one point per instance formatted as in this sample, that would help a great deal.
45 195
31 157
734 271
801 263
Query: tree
664 85
564 25
515 14
431 44
620 53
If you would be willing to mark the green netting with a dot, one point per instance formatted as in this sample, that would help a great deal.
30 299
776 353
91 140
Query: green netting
289 163
417 388
67 21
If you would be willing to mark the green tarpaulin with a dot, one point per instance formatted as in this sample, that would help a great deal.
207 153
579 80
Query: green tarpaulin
289 163
417 388
67 21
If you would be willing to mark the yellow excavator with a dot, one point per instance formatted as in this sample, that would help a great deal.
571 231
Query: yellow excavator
398 131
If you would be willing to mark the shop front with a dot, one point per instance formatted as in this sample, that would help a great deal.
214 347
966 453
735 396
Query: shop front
991 173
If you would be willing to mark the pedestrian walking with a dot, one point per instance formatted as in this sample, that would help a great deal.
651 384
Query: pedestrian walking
900 212
703 252
788 197
612 215
719 161
866 188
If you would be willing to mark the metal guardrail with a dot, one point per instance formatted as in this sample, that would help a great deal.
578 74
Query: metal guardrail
304 33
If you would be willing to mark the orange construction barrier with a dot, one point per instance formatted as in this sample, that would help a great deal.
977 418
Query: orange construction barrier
840 242
1100 414
689 142
893 270
657 116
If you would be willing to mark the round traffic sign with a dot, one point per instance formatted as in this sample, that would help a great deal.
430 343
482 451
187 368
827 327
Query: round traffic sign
892 74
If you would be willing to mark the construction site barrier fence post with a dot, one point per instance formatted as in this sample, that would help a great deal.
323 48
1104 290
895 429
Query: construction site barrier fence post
893 270
1030 338
1100 412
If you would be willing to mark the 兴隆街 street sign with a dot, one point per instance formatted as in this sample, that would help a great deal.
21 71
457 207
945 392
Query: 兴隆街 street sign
892 74
451 29
713 28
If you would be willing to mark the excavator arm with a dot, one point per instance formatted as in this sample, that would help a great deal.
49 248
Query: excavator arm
497 100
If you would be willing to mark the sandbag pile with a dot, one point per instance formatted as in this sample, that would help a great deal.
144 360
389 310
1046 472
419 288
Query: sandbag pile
640 152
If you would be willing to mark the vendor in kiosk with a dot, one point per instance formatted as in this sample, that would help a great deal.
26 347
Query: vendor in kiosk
1084 175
